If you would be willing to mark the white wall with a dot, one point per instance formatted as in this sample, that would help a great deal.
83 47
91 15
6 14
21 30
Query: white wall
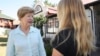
88 13
44 9
2 30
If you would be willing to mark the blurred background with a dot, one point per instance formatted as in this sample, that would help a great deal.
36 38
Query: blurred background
45 19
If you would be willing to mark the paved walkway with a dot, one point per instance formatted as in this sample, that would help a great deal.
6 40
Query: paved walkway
3 42
2 50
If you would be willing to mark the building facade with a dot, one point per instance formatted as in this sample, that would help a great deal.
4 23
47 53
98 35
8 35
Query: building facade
93 14
6 23
50 13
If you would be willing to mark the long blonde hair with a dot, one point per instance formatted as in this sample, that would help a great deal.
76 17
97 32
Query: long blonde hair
71 14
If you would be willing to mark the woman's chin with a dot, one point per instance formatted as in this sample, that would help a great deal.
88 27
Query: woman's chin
29 24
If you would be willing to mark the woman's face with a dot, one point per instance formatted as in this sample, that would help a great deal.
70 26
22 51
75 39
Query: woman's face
27 19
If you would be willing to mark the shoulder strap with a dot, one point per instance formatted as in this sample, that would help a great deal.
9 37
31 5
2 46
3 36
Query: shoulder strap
64 40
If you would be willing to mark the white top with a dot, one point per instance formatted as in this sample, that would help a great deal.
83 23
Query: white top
21 45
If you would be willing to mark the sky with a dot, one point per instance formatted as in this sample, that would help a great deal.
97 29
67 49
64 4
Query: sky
10 7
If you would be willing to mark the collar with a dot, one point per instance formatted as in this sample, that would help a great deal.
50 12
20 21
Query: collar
18 30
32 29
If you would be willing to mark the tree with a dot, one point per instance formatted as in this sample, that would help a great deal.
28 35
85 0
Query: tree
48 3
39 21
36 0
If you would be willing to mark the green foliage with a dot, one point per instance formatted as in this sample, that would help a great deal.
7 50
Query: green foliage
48 47
35 1
48 3
39 21
6 32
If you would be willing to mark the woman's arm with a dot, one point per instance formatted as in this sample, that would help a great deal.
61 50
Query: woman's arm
41 46
10 46
56 53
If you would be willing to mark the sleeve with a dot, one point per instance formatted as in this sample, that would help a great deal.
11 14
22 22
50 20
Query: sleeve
41 46
10 46
59 43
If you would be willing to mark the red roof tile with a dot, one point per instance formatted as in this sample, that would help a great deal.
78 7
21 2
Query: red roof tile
88 1
52 11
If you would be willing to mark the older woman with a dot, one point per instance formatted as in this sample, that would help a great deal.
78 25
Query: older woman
25 40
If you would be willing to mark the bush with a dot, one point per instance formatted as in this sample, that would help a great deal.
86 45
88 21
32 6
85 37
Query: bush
39 21
48 47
